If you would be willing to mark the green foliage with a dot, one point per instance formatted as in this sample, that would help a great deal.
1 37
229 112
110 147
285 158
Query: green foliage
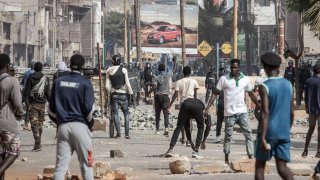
114 26
310 10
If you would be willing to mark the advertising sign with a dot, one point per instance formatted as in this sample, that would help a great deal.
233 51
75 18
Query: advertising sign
160 28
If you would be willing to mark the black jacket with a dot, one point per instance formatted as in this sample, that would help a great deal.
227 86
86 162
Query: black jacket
32 81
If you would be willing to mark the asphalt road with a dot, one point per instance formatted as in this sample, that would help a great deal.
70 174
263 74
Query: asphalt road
143 153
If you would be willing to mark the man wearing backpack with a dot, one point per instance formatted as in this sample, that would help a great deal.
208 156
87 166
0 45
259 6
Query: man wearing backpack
37 94
10 110
119 88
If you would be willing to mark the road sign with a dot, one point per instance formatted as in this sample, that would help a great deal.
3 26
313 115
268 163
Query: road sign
226 48
204 48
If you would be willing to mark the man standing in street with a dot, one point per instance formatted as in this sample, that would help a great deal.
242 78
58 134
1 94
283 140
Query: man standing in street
277 115
210 82
71 107
24 83
312 104
304 74
36 94
290 73
10 110
119 88
191 107
161 86
234 85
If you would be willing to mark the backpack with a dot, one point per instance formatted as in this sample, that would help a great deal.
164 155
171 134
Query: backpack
117 79
38 90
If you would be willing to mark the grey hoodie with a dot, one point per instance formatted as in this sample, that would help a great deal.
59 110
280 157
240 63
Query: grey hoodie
10 90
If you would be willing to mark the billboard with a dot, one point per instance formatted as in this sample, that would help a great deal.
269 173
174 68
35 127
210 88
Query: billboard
160 29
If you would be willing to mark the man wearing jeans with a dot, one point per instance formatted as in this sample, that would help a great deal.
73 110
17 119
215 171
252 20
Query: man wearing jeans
118 86
234 85
161 86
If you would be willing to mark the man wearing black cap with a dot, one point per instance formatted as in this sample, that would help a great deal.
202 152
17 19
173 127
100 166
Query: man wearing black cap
71 107
10 110
312 103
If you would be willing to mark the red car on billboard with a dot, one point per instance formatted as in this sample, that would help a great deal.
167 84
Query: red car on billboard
163 34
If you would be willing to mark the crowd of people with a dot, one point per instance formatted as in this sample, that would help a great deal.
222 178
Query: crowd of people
71 107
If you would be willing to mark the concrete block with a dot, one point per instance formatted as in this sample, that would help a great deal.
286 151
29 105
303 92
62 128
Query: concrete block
100 125
47 176
127 171
300 169
113 176
48 169
101 168
116 153
180 165
210 168
246 165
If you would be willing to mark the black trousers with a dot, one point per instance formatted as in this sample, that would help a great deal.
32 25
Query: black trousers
190 108
220 117
161 103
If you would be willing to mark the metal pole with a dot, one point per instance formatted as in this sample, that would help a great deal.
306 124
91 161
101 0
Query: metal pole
54 40
182 33
100 80
235 29
125 35
26 40
217 61
137 22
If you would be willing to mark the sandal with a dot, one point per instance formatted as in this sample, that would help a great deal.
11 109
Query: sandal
305 154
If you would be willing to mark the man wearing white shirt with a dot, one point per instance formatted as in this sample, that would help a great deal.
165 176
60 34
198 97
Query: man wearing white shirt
234 85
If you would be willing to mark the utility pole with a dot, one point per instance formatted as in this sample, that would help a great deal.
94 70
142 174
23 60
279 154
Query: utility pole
125 45
26 38
54 40
183 42
235 29
137 22
247 38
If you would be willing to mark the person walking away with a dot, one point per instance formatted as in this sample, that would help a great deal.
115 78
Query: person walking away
24 83
10 110
220 108
161 86
191 107
273 138
290 73
148 76
118 86
304 74
210 82
312 104
70 107
36 94
234 85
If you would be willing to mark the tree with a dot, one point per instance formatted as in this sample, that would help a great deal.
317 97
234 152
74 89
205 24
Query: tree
114 27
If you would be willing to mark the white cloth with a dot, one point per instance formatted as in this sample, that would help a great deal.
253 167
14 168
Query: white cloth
186 87
124 89
234 99
62 66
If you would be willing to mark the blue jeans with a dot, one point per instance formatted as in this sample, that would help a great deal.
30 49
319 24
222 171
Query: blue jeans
242 120
120 100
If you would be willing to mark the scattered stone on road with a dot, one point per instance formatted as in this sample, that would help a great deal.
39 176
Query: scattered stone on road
300 169
180 165
116 153
246 165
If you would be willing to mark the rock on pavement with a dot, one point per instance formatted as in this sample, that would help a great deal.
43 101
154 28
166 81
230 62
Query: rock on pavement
180 165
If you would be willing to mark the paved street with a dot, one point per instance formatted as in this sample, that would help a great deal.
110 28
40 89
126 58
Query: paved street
143 153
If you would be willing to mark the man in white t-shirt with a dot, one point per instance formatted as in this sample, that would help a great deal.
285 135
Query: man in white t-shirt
234 85
191 107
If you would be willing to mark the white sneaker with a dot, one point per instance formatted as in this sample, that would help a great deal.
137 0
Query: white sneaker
196 155
217 139
157 132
